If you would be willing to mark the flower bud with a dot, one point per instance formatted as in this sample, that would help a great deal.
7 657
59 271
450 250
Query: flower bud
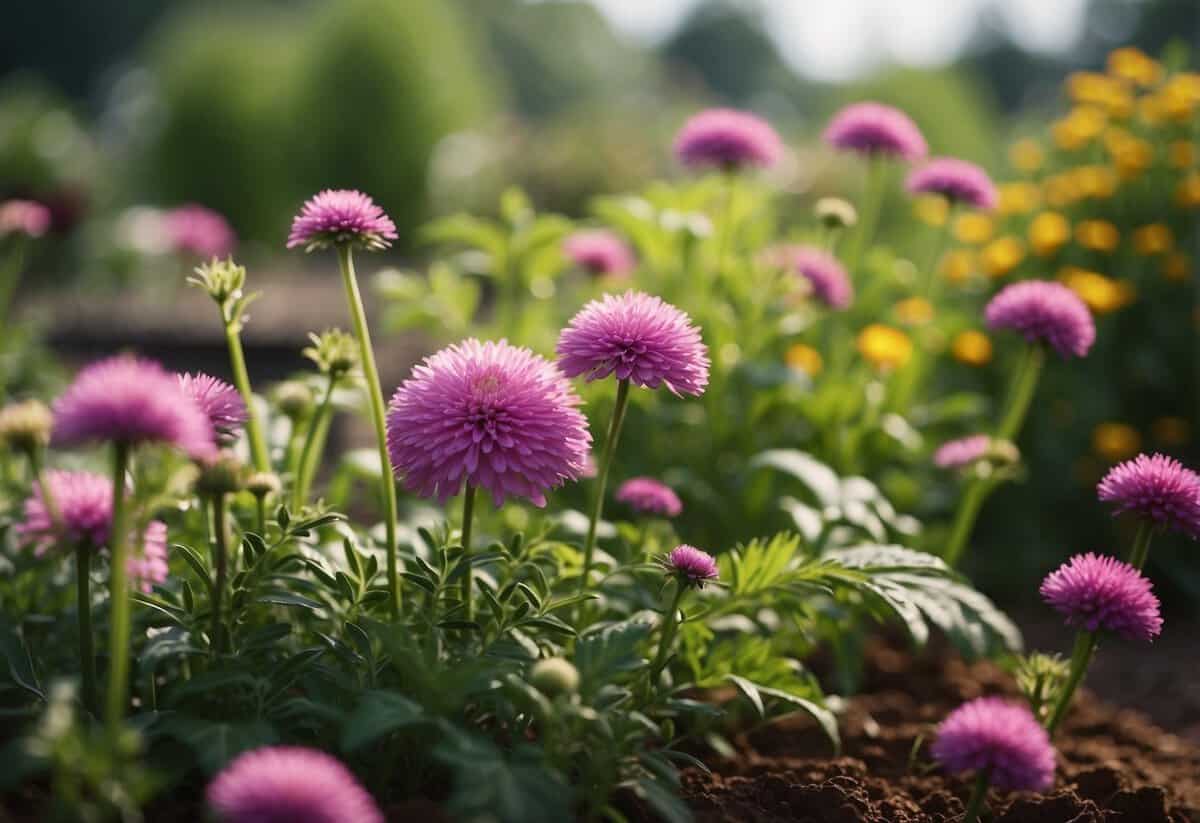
1002 453
222 279
554 676
25 426
222 474
294 399
835 213
333 351
261 484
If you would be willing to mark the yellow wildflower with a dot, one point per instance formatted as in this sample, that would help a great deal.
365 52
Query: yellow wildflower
972 348
1116 441
1026 155
914 311
1134 65
1181 154
1102 295
1002 255
931 209
1018 198
1097 235
1171 431
974 228
1048 233
1061 189
1155 238
1095 182
958 265
884 347
806 359
1179 96
1187 193
1177 267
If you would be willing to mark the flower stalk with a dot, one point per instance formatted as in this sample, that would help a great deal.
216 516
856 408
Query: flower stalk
87 652
610 448
314 441
468 518
978 796
669 627
1081 658
118 672
220 551
241 378
1021 391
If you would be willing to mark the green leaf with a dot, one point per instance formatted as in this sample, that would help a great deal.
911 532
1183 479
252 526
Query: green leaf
750 691
280 597
215 744
818 478
378 714
607 650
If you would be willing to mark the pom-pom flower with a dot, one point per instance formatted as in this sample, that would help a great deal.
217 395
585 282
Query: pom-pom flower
956 180
130 400
198 231
149 566
1003 738
873 128
289 784
335 217
1096 592
960 453
24 217
1157 488
639 338
645 494
727 139
491 415
825 275
691 566
1044 311
600 252
221 403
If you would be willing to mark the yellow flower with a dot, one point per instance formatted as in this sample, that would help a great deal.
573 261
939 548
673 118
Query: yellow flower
1099 90
1155 238
1101 294
958 265
1081 125
1061 189
1179 96
1026 155
1048 233
931 209
805 359
1177 267
884 347
972 348
1002 255
974 228
1116 441
1018 198
1187 193
1134 65
1097 235
1171 431
1095 182
914 311
1181 154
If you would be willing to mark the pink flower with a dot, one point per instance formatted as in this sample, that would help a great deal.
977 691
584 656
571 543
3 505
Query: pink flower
149 566
727 139
960 453
956 180
1157 488
199 231
691 566
600 251
1096 592
873 128
645 494
24 217
1047 312
333 217
825 275
221 403
1003 738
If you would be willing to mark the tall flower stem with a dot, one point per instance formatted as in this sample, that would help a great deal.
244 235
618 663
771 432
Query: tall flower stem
978 795
969 506
306 467
118 544
87 651
1141 545
669 627
610 449
241 378
220 550
34 455
375 399
1021 392
1081 657
942 236
868 216
468 518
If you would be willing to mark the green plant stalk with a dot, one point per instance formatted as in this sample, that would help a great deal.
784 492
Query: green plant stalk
610 449
669 627
1021 392
868 216
468 517
1081 657
241 377
1141 544
10 274
87 651
306 467
378 418
978 795
969 506
37 470
118 672
933 283
291 452
220 550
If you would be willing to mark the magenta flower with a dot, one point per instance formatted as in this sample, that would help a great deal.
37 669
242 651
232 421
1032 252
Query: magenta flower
600 251
25 217
221 403
1157 488
130 400
84 501
639 338
956 180
489 414
873 128
148 567
645 494
960 453
1004 738
825 275
198 231
289 784
334 217
1044 311
727 139
1097 592
691 566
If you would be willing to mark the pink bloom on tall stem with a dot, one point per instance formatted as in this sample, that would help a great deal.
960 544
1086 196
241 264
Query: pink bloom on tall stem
727 139
149 566
333 217
645 494
956 180
873 128
1096 592
220 402
960 453
198 231
1044 311
825 274
26 217
1003 738
691 566
600 252
1157 488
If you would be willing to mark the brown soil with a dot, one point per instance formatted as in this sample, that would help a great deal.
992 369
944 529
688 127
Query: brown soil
1114 764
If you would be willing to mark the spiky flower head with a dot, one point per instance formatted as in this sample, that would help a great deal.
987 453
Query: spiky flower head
199 231
289 784
554 676
489 414
1046 312
600 252
638 338
221 403
148 566
645 494
334 352
873 128
25 217
26 425
131 400
341 217
727 139
956 180
691 566
825 276
836 213
1098 592
222 279
1157 488
1004 738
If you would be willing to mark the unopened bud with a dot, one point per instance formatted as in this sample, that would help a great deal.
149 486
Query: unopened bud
25 426
554 676
261 484
222 474
294 399
835 213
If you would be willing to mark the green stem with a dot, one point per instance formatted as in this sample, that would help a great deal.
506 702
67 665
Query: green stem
308 456
260 506
291 452
10 275
670 625
1081 656
868 216
378 418
118 544
969 507
932 281
1021 391
610 448
87 651
254 432
220 551
978 796
468 517
36 468
1141 544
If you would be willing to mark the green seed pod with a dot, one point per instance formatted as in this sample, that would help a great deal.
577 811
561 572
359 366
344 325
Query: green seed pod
554 676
